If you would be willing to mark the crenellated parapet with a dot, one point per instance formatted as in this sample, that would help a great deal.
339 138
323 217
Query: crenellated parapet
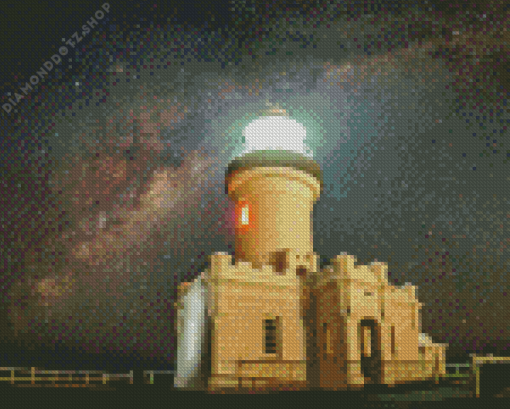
220 264
309 261
405 295
286 267
379 270
344 267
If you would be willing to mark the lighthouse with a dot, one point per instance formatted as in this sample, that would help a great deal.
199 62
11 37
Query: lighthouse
272 318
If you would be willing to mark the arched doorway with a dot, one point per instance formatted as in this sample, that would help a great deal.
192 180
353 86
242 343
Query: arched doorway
370 350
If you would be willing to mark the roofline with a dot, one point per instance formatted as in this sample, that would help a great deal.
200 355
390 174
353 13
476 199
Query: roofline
273 159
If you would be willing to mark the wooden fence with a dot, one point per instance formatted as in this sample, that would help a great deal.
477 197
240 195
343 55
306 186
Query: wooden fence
457 373
151 373
59 377
86 378
477 362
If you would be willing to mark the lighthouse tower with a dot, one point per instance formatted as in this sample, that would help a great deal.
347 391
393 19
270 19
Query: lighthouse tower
274 192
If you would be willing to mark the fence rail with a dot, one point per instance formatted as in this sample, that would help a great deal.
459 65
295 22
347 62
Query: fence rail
151 373
457 373
80 378
69 376
478 361
86 378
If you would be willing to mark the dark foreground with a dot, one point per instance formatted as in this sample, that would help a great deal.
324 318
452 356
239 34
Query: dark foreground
449 394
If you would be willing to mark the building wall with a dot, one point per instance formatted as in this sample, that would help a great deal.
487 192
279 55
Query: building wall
349 295
332 332
321 340
243 298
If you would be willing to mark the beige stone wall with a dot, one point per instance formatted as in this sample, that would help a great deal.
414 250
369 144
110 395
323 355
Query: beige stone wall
399 313
242 298
347 294
331 332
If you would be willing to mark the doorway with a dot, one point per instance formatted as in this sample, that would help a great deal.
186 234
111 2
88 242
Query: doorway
370 350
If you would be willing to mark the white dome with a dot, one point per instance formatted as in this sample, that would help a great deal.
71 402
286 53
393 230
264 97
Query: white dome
276 133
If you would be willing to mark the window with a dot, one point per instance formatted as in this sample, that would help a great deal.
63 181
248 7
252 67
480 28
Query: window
244 215
301 271
271 341
392 340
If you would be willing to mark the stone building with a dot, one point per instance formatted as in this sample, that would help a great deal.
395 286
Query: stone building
274 319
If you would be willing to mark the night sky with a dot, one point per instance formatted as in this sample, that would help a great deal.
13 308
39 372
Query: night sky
113 165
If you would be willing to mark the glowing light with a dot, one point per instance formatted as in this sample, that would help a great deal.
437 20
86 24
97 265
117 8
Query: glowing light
276 132
244 215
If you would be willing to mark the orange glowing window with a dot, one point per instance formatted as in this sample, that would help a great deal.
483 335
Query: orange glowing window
244 215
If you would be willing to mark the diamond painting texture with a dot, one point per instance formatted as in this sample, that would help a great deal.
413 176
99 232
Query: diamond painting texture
142 226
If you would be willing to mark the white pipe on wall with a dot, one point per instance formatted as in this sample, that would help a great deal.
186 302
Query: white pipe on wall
191 334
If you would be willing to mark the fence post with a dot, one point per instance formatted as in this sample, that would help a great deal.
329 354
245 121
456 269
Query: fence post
12 376
33 375
476 371
477 382
131 377
104 379
87 378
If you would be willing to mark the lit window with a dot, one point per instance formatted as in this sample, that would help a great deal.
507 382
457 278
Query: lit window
244 215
